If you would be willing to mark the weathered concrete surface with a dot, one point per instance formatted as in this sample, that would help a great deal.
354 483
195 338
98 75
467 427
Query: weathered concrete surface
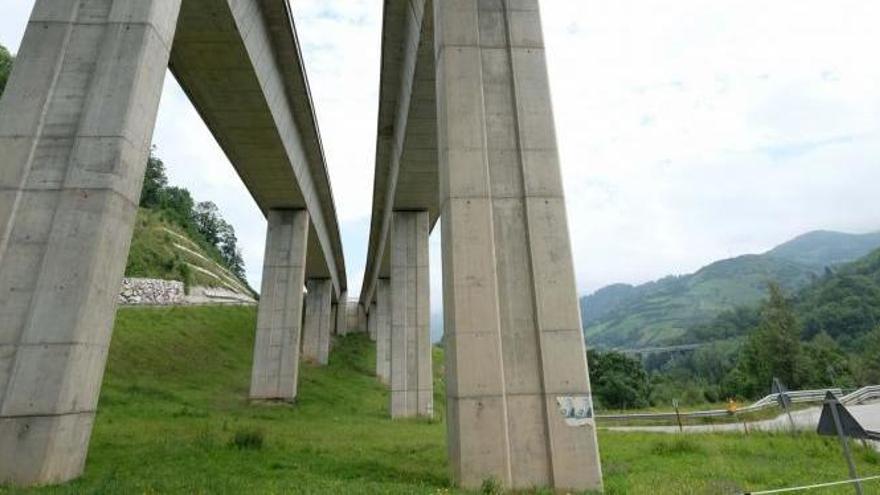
341 323
76 121
239 63
318 320
513 329
412 392
279 316
372 320
383 330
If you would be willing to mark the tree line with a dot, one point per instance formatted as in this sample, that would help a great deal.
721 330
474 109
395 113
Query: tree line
826 335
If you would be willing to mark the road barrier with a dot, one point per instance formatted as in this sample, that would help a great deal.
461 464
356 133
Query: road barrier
859 396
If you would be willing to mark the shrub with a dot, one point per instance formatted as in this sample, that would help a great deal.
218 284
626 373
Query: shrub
247 440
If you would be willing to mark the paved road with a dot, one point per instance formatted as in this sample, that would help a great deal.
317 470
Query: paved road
868 415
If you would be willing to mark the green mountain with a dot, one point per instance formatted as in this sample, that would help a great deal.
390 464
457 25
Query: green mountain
659 312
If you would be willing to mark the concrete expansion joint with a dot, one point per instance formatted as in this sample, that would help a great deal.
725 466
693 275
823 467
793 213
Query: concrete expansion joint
55 344
150 25
88 412
481 46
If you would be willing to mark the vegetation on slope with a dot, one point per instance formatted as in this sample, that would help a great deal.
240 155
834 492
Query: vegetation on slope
661 312
200 222
173 418
161 249
6 60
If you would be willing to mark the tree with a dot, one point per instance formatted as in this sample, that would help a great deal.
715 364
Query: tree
869 365
208 222
773 348
6 60
825 364
155 182
618 381
230 252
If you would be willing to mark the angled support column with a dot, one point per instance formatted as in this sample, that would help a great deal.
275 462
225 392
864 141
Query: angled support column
383 330
515 352
279 317
412 392
76 122
317 323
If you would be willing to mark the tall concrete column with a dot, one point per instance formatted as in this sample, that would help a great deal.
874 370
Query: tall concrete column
279 316
317 323
341 318
371 322
76 121
515 352
383 330
412 392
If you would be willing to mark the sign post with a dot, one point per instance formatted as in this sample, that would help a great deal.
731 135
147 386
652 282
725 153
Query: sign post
784 401
677 415
836 420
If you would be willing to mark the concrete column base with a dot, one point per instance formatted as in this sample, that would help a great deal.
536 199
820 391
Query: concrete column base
316 326
279 316
383 330
371 322
412 390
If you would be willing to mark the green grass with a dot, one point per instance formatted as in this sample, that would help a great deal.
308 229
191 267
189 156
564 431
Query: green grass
173 418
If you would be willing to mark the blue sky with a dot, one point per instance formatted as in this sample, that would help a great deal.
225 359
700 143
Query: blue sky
689 130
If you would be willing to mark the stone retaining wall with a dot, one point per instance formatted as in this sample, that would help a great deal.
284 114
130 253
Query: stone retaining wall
148 291
155 292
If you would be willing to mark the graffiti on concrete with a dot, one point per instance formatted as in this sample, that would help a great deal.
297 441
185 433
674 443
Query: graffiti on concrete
577 410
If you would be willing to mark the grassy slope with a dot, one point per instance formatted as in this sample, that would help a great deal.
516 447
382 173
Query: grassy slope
153 254
174 397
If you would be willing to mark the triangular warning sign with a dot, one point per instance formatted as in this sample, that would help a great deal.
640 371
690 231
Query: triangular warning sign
851 427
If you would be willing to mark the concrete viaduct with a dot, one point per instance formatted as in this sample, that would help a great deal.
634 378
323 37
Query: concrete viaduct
465 136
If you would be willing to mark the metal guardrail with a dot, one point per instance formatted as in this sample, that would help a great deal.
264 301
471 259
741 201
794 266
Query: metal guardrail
860 396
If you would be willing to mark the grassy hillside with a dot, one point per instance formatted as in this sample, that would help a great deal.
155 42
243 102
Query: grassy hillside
173 419
660 312
843 303
160 249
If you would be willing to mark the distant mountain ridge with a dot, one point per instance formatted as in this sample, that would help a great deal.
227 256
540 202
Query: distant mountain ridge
622 315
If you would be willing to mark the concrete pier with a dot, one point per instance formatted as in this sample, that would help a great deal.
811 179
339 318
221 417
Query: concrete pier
412 392
341 321
515 351
76 122
279 316
383 330
318 320
371 322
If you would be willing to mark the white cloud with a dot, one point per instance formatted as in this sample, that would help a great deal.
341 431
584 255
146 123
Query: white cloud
689 130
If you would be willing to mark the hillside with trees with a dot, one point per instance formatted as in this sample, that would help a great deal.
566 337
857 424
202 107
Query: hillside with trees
826 334
661 312
178 238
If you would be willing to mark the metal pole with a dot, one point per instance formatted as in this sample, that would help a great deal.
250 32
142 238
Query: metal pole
843 442
678 415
